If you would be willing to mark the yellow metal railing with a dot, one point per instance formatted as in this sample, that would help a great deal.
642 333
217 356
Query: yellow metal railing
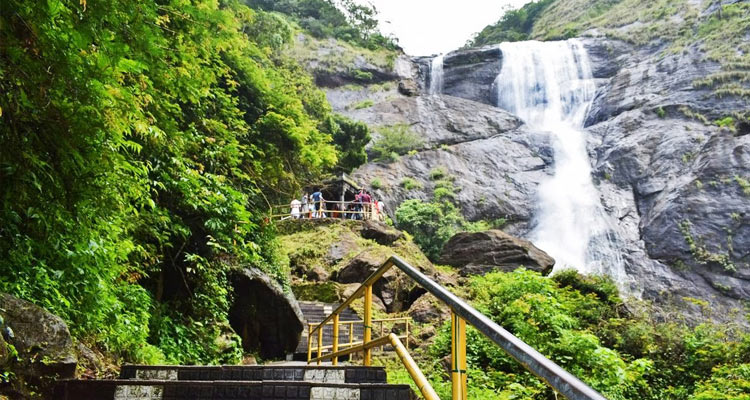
338 344
556 377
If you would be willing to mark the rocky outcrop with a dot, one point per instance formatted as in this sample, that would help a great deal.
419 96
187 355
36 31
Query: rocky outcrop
674 185
468 74
481 252
350 251
263 314
671 179
495 162
428 309
45 348
380 233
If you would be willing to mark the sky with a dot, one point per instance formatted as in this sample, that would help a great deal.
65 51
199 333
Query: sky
426 27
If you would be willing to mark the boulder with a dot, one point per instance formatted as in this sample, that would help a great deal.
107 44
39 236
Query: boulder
408 87
380 232
45 348
481 252
317 274
263 314
428 309
393 289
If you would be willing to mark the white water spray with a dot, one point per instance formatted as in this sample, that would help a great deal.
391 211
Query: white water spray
550 86
436 75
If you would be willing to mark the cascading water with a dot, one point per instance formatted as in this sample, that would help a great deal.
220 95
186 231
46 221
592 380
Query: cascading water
550 86
436 75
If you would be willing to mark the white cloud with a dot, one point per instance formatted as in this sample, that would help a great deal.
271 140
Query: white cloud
426 27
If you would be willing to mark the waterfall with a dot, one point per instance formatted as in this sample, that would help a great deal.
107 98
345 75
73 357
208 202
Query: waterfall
550 86
436 75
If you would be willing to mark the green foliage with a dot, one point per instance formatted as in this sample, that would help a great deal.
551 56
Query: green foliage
726 383
350 138
431 224
351 22
362 75
438 173
514 26
376 184
701 253
395 139
727 122
576 321
744 184
367 103
146 138
410 184
661 112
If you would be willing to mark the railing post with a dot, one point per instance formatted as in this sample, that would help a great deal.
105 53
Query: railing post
368 325
458 356
335 346
407 335
320 342
309 342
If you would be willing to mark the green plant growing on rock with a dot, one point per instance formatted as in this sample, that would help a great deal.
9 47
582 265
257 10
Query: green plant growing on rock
701 253
744 184
367 103
410 184
376 183
395 139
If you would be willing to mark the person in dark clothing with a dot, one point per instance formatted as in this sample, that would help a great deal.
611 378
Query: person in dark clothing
317 199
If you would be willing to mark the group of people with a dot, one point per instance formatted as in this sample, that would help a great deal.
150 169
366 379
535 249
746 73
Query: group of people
315 205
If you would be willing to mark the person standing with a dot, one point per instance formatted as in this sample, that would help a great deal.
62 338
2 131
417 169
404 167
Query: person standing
366 203
296 207
317 199
305 206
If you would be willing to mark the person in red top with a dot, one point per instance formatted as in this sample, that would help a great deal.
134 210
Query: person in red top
366 206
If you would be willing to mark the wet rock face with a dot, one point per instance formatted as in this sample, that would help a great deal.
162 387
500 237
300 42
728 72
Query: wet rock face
672 185
468 74
267 318
670 179
482 252
44 345
494 160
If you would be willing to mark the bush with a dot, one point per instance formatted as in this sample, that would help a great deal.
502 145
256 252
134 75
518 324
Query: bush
576 321
396 139
367 103
410 184
376 184
431 224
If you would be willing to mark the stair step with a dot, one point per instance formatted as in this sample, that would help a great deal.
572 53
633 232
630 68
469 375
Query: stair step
129 389
328 374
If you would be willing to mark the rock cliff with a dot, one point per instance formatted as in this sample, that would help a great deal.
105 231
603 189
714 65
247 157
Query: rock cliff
675 182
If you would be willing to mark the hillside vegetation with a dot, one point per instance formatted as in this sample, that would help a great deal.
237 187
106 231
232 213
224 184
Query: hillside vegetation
142 143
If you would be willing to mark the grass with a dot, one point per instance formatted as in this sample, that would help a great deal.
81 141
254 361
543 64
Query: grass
338 56
367 103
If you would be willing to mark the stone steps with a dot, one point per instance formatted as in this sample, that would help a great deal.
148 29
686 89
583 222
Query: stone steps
238 383
315 312
329 374
131 389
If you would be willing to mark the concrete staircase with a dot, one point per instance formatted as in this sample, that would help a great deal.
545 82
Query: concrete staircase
282 382
315 312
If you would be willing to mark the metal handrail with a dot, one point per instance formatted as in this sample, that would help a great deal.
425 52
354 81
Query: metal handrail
536 363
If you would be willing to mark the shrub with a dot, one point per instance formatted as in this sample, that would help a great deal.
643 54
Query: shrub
438 173
395 139
364 104
410 184
376 184
431 224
